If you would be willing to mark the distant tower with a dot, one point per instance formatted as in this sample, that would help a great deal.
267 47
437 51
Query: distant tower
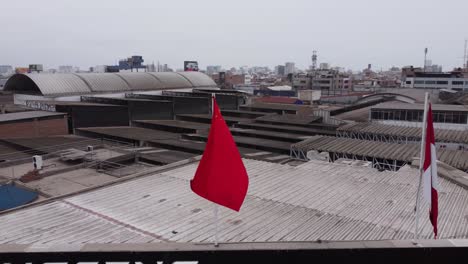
465 57
425 58
314 60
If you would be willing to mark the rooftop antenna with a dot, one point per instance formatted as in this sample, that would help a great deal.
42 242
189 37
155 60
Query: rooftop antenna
314 60
425 58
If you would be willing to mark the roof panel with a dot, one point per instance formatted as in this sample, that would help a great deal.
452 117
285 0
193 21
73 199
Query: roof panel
141 81
316 200
106 82
63 84
198 79
172 80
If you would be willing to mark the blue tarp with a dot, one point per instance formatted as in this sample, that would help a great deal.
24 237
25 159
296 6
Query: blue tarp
12 196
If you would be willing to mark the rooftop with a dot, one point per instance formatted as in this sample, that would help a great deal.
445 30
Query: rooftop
88 83
435 107
324 202
28 115
413 133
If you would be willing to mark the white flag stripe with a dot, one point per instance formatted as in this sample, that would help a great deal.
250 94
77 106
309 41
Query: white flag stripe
435 182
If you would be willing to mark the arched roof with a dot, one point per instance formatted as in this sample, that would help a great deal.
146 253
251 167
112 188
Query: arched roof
88 83
197 79
99 82
171 80
141 81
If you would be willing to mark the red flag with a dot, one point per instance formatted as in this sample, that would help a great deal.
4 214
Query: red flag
430 182
221 176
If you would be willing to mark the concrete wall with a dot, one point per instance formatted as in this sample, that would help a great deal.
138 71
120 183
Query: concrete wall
34 128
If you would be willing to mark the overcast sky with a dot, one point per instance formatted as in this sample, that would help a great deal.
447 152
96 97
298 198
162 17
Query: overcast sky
347 33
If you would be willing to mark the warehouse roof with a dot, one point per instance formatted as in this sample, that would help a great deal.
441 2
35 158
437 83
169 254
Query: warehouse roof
405 106
27 115
411 133
87 83
314 201
390 151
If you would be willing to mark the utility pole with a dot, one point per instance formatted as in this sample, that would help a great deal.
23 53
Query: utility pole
465 56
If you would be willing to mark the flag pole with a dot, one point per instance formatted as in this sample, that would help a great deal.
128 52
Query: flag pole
216 216
421 160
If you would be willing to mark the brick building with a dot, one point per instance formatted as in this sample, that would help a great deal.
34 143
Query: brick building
32 124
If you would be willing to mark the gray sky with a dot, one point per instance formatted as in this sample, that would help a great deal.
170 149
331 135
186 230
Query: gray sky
347 33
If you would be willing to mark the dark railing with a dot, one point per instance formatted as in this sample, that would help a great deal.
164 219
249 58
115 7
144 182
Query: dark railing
339 252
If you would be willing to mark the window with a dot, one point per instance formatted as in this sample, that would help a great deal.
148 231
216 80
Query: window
457 82
430 82
442 82
408 82
419 82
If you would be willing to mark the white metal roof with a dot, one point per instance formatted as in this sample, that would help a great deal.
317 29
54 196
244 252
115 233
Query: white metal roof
86 83
99 82
313 201
171 80
141 81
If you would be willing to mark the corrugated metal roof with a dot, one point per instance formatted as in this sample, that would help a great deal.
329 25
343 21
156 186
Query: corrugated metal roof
390 151
317 200
172 80
27 115
55 83
435 107
442 135
198 80
87 83
141 81
104 82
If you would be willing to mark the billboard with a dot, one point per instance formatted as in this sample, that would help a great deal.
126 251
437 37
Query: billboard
190 65
35 67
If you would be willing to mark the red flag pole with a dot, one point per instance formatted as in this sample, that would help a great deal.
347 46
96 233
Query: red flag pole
421 162
216 217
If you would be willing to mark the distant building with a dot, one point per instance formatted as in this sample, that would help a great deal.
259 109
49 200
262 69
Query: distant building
419 79
324 66
212 69
327 81
280 70
289 68
6 69
133 62
67 69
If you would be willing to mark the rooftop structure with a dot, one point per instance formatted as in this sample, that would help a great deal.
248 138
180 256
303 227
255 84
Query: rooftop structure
28 115
445 116
53 85
400 134
382 155
347 204
32 124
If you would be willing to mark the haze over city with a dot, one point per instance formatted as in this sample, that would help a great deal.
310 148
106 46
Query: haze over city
350 34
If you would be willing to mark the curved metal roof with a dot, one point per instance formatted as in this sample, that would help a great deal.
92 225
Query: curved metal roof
104 82
48 84
88 83
141 81
172 80
198 79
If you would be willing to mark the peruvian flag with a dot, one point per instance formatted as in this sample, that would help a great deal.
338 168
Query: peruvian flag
430 183
221 176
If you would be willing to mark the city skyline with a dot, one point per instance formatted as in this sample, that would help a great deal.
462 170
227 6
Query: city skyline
346 34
